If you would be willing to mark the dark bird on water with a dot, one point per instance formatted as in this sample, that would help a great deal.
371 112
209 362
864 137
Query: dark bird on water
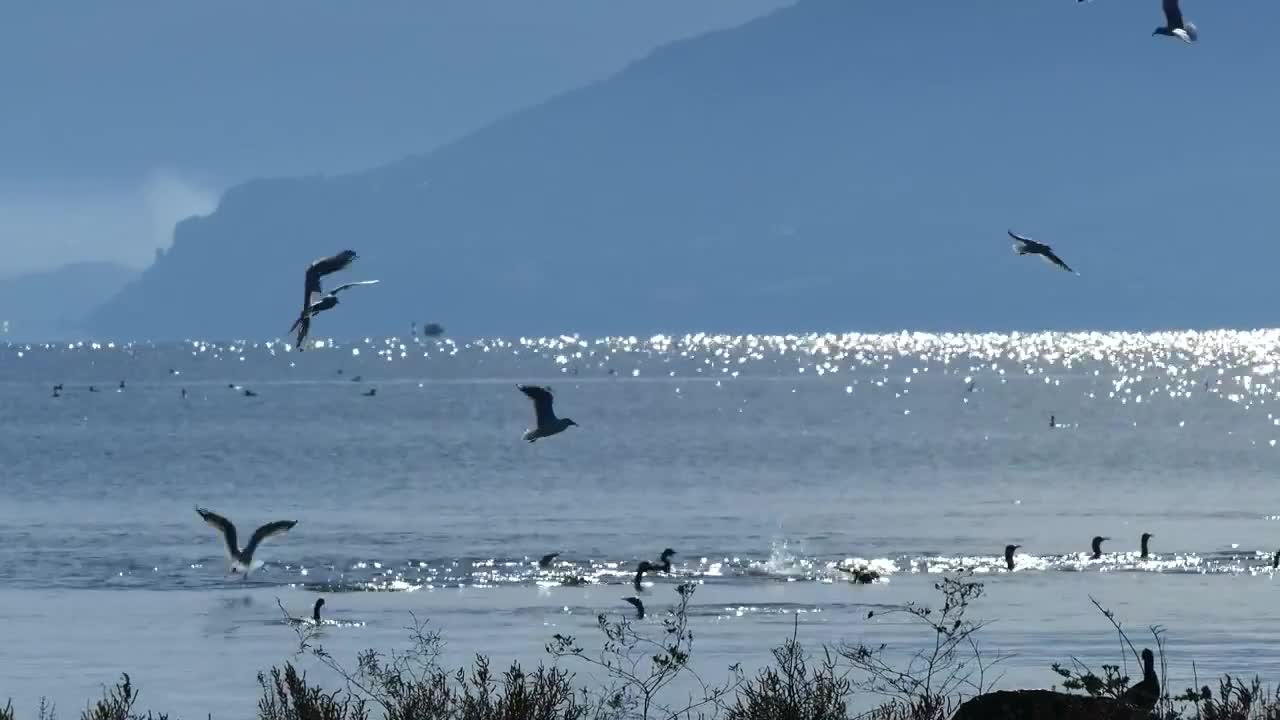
860 576
545 416
121 385
371 392
1275 561
241 560
1053 422
93 389
1145 694
663 565
1008 555
1027 246
546 560
250 393
315 614
57 390
432 330
1146 537
1175 25
639 606
1097 546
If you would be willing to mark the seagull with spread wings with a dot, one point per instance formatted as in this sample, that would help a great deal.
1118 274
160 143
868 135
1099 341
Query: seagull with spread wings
241 560
547 422
1027 246
320 303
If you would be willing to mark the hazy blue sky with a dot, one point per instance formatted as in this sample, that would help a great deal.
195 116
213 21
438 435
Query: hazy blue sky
120 118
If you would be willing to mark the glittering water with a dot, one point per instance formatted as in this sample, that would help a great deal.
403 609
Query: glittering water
768 463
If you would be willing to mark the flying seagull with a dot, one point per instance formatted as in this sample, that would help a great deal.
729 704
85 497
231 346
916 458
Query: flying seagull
639 606
548 423
547 560
320 303
242 560
311 287
1097 546
663 565
1175 26
1027 246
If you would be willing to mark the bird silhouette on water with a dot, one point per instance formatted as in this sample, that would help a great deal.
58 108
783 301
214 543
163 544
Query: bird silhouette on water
371 392
544 414
1097 546
1008 555
241 560
1175 25
663 565
639 606
1275 561
1027 246
547 560
1146 537
860 576
315 614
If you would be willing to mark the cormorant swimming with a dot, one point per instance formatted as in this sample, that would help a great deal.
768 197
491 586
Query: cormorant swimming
663 565
315 614
1175 25
250 393
1008 555
1027 246
1097 546
1275 561
1146 537
1053 422
242 560
545 416
546 560
371 392
639 606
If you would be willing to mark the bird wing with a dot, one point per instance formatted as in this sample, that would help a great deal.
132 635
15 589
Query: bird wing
331 264
635 602
1172 14
542 404
340 288
266 531
1048 255
1026 245
224 525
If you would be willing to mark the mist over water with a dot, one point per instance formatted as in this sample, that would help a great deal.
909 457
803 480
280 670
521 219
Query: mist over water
767 462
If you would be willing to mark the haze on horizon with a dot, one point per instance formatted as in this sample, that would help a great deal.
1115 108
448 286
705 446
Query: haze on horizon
121 120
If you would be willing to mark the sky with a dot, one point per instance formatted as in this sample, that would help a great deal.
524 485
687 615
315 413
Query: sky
120 119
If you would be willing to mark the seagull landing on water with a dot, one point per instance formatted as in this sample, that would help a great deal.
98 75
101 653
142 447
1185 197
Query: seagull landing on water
1027 246
544 414
1175 26
241 561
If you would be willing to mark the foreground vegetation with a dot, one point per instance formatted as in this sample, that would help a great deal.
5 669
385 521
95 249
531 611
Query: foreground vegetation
635 673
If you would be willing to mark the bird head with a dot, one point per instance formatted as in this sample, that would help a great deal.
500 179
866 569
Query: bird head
568 422
1011 548
348 255
1147 536
667 553
319 603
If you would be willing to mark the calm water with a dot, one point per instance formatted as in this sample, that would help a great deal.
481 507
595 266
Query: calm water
765 462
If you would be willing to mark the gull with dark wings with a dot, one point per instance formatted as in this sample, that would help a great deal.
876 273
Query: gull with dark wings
1027 246
320 303
1175 25
241 560
311 287
545 416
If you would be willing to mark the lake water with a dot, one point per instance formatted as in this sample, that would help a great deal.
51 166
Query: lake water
764 461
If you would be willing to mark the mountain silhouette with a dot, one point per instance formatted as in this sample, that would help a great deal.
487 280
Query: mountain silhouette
802 171
51 305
